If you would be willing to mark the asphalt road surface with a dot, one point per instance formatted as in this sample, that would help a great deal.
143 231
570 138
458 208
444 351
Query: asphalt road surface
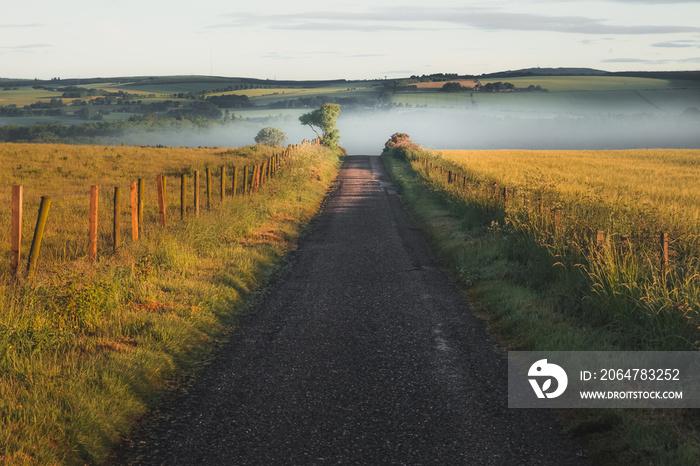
362 352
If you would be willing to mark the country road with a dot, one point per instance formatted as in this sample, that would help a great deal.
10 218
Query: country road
361 352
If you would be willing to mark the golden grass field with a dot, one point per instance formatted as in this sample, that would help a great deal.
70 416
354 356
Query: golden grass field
665 179
65 173
439 84
533 268
86 349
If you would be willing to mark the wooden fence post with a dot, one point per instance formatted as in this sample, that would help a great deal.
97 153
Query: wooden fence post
165 192
196 193
116 233
235 181
505 196
183 195
134 211
92 236
223 183
161 199
142 193
16 246
245 180
208 188
664 254
38 235
256 177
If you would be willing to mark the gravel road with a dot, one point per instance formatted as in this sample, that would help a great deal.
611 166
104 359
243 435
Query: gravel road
362 352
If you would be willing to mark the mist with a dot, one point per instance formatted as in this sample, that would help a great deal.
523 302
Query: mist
365 132
455 129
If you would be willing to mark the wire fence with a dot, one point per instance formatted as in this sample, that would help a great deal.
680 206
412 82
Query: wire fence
110 216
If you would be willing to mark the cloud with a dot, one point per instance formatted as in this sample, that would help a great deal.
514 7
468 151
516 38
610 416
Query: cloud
26 47
633 60
678 44
655 2
652 62
422 18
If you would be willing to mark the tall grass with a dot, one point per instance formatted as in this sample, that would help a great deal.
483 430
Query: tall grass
541 290
85 350
632 196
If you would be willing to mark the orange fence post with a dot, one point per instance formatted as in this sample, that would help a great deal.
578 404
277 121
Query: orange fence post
161 199
196 193
134 211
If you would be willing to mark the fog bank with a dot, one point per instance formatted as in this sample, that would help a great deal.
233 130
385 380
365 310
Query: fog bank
366 132
453 129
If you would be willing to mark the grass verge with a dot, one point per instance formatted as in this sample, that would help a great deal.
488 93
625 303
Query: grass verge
530 304
84 351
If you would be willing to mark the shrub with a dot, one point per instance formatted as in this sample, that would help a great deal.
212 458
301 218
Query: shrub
271 136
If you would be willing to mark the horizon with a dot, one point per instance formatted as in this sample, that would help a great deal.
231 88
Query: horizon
283 79
363 40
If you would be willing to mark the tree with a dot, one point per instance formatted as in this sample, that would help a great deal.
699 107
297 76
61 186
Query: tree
271 136
452 87
325 119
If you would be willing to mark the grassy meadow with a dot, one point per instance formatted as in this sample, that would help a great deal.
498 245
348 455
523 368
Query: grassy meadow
658 179
593 83
86 349
531 265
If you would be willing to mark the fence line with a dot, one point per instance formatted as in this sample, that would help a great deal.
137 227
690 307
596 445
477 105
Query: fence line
550 218
245 185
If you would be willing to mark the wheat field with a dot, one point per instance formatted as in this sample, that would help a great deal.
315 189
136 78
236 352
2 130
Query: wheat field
663 179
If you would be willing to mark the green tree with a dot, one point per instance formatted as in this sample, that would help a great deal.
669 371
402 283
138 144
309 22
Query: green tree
325 119
271 136
452 87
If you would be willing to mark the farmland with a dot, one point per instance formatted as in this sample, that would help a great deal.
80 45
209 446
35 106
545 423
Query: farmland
560 250
85 348
567 94
439 84
658 179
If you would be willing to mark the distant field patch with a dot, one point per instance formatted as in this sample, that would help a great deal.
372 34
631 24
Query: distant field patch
279 92
592 83
26 95
438 84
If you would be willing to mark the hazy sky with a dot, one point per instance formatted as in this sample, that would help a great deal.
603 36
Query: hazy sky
364 39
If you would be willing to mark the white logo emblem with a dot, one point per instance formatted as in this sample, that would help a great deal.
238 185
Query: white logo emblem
541 369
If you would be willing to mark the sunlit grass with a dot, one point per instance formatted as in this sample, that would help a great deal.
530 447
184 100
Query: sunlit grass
559 200
85 350
587 83
663 179
541 291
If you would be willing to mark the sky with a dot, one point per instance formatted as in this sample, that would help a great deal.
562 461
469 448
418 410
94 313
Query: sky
360 39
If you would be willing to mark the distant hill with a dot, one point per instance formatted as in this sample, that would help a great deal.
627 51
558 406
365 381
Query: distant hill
546 72
687 75
136 81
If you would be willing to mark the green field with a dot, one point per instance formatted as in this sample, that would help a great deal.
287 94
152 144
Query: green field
566 95
569 94
594 83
